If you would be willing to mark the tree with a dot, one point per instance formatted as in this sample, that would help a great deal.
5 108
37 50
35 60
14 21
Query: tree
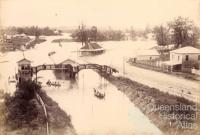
81 34
181 27
20 30
133 34
37 32
193 37
93 33
162 35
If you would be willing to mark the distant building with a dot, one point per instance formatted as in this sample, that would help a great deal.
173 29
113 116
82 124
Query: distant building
91 49
148 55
6 47
20 39
56 32
13 42
127 36
183 58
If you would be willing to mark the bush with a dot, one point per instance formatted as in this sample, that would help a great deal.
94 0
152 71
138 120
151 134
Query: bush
23 112
22 107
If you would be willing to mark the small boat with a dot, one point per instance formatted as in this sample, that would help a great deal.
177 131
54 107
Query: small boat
48 83
99 94
55 84
51 53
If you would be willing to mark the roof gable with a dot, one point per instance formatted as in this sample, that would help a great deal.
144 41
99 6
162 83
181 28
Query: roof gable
185 50
69 61
24 60
91 46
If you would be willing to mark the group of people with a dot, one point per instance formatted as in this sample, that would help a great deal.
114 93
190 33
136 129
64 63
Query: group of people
99 94
55 84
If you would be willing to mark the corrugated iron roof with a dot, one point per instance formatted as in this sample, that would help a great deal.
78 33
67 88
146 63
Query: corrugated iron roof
185 50
24 59
91 46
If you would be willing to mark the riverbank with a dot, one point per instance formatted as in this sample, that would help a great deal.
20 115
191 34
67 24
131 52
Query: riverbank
32 43
23 114
62 40
5 47
171 114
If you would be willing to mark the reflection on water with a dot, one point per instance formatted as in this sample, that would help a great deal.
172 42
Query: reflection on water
113 115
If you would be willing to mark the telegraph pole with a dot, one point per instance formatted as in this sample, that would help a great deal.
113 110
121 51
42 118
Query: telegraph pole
82 33
124 65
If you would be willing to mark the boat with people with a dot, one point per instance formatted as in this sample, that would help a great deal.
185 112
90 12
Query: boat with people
55 84
99 94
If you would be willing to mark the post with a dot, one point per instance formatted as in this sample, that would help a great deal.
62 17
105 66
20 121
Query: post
109 73
36 77
124 65
73 75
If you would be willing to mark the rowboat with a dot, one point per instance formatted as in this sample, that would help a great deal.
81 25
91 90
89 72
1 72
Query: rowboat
99 94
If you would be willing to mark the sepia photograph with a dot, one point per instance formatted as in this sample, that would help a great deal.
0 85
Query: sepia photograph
99 67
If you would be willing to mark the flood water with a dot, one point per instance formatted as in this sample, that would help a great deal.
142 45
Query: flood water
113 115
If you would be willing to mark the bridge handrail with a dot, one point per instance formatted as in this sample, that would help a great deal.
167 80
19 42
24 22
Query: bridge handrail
78 67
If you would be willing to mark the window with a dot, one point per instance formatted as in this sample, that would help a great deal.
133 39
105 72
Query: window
198 57
178 58
186 57
150 58
172 56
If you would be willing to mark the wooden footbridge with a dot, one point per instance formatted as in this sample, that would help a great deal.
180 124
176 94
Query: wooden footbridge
26 71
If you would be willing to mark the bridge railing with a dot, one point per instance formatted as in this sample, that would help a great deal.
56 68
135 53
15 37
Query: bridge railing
76 69
89 66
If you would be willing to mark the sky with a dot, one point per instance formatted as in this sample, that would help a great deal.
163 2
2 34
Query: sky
101 13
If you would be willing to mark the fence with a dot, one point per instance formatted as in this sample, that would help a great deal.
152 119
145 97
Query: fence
45 112
153 64
195 71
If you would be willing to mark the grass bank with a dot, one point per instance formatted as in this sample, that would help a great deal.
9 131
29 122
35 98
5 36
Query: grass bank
171 114
23 114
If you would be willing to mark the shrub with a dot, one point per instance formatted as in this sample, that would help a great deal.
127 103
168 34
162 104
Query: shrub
22 107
